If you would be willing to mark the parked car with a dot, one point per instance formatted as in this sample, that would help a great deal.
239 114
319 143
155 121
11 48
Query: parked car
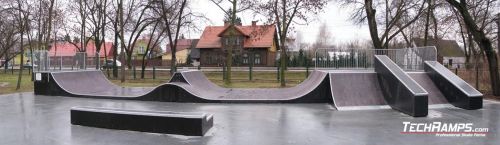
28 66
109 64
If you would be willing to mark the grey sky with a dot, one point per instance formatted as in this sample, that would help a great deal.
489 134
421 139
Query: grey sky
334 16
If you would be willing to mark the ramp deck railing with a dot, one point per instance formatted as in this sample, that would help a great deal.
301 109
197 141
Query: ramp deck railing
409 59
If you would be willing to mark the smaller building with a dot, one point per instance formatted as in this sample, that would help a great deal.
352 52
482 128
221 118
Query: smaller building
449 52
65 52
184 51
141 46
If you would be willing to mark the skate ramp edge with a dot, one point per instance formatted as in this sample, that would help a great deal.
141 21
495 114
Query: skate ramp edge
314 89
191 124
458 92
400 91
186 86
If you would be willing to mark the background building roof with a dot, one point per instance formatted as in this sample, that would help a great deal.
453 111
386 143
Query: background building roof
68 49
446 48
260 36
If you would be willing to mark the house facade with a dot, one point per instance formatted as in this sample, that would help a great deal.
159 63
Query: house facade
140 48
252 44
183 51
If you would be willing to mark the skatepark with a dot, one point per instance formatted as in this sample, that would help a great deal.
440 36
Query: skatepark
331 106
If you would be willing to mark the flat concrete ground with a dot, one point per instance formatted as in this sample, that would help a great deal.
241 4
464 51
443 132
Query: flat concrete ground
45 120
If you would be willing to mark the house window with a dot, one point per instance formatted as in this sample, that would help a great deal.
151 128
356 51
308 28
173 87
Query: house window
141 50
257 59
245 58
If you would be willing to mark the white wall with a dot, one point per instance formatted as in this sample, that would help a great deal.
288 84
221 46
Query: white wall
457 62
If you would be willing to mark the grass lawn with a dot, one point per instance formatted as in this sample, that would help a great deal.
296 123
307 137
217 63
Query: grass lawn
8 80
239 79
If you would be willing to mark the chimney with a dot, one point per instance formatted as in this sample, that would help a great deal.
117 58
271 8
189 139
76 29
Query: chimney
254 23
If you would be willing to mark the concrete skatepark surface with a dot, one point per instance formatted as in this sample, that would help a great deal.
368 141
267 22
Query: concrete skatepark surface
28 119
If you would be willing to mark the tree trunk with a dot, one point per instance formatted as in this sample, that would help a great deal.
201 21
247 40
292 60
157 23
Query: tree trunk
283 62
122 56
283 56
427 23
372 24
115 49
483 42
22 25
229 56
19 79
498 34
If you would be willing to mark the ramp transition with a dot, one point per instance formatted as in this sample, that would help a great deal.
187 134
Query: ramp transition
188 86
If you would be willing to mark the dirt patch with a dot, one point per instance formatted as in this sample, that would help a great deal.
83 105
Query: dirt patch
491 97
3 84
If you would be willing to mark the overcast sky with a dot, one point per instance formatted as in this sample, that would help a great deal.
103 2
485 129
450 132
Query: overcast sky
336 18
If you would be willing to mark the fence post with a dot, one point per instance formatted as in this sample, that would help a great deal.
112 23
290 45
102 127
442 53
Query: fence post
278 73
133 69
250 73
307 67
223 72
250 66
477 77
154 72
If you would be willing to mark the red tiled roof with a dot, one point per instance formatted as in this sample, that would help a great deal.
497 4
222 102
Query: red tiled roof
181 45
68 49
259 36
238 28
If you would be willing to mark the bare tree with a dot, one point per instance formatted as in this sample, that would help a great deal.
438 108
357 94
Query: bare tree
394 12
324 37
174 16
285 13
10 35
237 6
97 17
80 9
155 37
482 40
22 21
129 19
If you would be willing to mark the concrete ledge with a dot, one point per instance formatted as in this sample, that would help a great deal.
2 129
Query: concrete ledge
458 92
145 121
400 91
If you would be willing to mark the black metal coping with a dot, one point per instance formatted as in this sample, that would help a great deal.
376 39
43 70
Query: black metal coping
191 124
458 92
400 91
